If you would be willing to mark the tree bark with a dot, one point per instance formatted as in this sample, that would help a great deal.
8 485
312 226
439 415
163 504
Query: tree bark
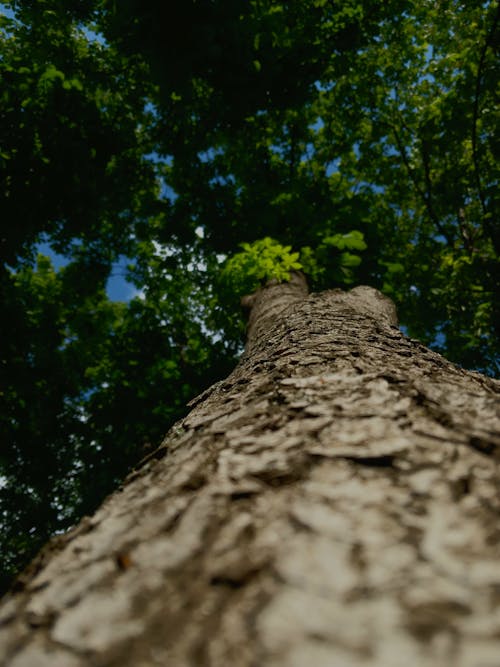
333 503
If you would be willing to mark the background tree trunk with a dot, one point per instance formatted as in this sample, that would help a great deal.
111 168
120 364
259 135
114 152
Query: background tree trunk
333 502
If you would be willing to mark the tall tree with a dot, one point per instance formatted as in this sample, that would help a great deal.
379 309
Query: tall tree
78 171
318 134
332 502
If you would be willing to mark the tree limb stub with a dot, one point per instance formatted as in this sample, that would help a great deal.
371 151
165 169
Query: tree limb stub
275 299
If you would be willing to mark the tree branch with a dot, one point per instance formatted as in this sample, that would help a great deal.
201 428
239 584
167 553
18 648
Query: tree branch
424 195
475 157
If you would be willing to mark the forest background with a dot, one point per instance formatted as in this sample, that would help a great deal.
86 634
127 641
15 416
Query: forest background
196 149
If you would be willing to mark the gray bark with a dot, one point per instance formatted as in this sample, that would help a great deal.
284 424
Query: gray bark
333 503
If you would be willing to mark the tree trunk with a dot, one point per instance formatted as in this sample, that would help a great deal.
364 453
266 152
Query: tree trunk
333 503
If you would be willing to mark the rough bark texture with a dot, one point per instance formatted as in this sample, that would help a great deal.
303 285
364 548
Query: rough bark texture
333 503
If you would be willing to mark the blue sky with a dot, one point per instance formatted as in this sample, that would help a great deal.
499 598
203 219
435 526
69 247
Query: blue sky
6 11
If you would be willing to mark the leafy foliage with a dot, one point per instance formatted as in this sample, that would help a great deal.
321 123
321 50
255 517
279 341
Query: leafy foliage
218 145
334 260
258 263
266 260
75 136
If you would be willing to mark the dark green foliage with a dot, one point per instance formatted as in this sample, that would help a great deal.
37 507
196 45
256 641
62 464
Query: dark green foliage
231 58
71 161
355 140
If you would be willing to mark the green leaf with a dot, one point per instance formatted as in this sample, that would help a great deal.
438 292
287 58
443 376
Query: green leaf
349 260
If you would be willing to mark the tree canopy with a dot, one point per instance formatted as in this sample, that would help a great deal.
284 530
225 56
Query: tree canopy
217 144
